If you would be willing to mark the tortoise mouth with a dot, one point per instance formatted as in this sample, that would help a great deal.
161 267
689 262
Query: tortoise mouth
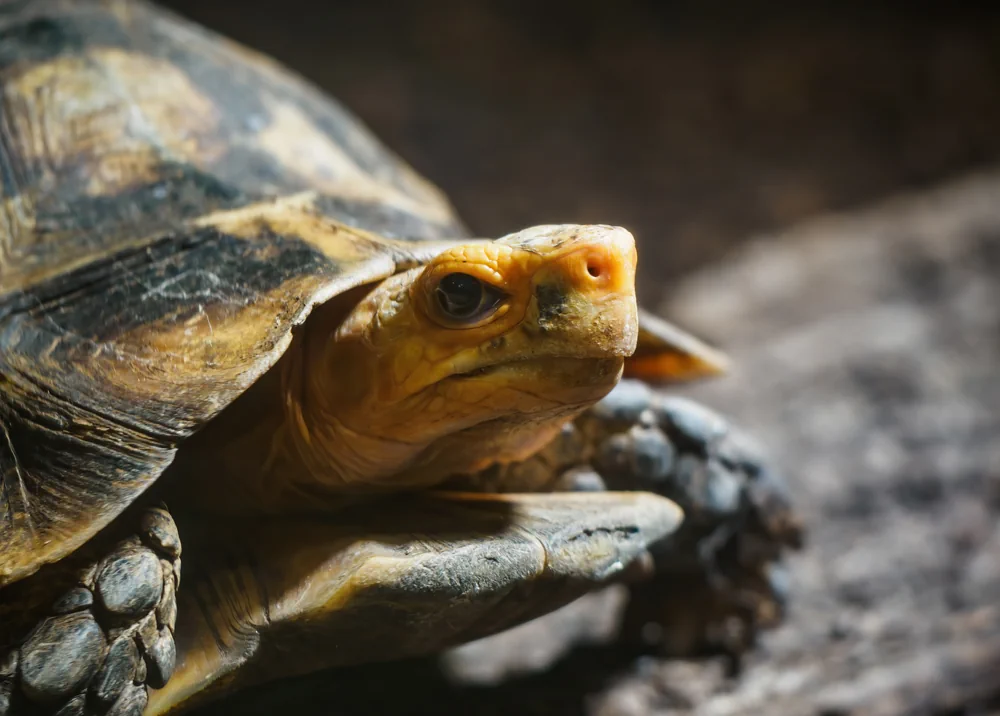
500 365
476 373
495 367
549 375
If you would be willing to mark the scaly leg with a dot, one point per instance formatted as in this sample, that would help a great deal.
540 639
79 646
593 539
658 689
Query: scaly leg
715 581
91 634
719 578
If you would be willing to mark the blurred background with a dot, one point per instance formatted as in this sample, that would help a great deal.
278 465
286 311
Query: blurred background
694 124
814 186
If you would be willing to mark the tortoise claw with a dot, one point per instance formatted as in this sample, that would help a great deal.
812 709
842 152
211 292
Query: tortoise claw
393 579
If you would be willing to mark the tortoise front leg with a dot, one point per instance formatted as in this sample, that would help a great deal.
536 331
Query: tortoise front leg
718 578
398 578
90 634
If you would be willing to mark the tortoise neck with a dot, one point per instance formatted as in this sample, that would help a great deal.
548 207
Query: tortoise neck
331 441
317 449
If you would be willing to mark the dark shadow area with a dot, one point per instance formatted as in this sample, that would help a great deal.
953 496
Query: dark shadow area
418 687
691 123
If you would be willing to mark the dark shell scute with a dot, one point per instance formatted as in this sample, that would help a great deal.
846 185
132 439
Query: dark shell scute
385 220
37 40
47 37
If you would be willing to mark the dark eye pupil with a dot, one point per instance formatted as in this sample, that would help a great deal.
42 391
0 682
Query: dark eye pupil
460 294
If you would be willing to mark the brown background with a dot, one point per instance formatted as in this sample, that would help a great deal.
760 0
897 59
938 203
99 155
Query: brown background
691 123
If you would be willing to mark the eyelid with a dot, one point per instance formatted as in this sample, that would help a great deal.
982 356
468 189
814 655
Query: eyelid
489 275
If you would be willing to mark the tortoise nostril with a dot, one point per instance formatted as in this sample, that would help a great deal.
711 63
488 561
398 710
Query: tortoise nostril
595 268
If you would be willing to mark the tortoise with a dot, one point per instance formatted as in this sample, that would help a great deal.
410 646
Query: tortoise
230 318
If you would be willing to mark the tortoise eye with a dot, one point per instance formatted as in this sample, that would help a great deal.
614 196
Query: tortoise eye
465 298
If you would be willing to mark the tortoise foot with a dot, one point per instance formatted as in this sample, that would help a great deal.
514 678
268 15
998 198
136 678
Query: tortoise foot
713 584
107 636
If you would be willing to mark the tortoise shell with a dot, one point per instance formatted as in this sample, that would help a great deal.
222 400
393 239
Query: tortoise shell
172 205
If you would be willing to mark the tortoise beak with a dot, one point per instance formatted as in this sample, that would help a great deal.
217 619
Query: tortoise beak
584 295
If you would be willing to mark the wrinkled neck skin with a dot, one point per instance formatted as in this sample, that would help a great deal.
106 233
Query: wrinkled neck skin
346 430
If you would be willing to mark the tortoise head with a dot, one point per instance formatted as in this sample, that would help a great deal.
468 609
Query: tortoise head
548 313
477 357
